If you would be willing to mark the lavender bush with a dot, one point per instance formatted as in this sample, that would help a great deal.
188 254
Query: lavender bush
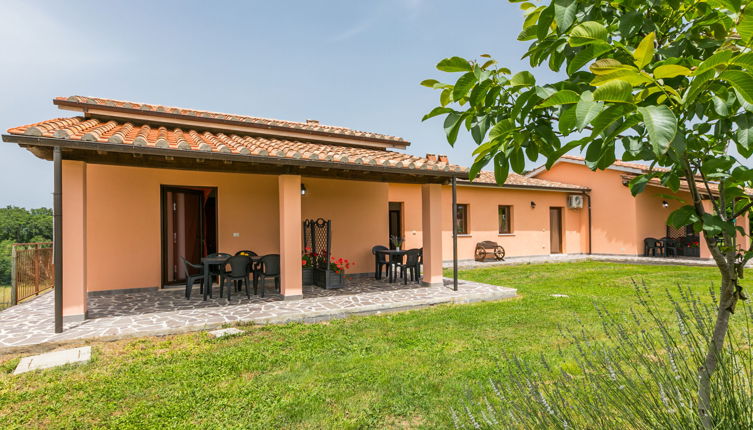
640 372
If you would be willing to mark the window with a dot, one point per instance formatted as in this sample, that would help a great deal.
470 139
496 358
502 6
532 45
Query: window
462 219
505 219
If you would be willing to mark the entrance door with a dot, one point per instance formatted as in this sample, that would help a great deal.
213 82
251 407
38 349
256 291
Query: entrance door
555 230
189 229
396 221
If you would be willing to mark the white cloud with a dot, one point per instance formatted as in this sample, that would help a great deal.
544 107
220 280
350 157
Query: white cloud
353 31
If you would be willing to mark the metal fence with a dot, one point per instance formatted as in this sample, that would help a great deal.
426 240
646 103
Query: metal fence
32 271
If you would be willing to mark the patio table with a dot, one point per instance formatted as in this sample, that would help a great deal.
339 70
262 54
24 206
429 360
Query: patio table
394 255
216 261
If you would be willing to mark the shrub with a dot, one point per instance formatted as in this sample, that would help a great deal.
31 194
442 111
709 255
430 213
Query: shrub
640 372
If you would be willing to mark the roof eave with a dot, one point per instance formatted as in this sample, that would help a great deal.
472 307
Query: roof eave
417 175
525 187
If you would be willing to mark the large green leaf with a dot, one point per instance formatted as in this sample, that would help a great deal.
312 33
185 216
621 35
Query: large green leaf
670 71
742 81
586 54
609 65
587 33
501 168
452 125
683 216
463 85
479 163
630 23
696 87
586 110
632 77
566 122
564 13
501 128
614 91
607 117
716 60
745 26
743 60
744 135
661 125
454 64
644 53
545 22
561 97
436 111
524 79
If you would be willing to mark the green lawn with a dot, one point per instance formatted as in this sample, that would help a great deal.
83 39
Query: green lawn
401 370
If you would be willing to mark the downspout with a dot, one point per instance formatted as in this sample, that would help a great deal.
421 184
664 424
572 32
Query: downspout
588 196
57 216
454 234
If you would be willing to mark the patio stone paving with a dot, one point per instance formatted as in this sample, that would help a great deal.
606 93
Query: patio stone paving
167 311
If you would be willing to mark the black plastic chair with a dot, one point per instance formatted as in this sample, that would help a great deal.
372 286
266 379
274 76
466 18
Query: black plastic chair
191 279
411 265
670 246
239 271
380 260
269 267
651 246
251 268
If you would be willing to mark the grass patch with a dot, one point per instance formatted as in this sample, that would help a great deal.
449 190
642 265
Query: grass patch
394 371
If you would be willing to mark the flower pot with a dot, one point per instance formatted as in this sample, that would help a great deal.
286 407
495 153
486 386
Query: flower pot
328 279
308 276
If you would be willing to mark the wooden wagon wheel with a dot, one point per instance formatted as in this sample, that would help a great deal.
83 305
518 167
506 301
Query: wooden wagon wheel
499 253
480 254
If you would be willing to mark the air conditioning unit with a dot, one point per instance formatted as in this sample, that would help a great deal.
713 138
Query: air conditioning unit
575 201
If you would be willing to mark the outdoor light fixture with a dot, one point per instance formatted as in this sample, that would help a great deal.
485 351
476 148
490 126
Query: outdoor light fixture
303 189
533 204
665 203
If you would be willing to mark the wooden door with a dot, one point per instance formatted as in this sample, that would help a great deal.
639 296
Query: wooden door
555 230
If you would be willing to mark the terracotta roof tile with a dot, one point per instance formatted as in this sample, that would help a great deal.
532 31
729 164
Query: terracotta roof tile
309 126
487 177
181 139
620 163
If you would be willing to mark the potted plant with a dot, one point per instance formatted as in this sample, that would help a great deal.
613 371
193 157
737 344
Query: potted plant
397 242
307 260
330 273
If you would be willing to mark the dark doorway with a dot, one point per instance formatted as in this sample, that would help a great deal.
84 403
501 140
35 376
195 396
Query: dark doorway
396 222
555 230
189 229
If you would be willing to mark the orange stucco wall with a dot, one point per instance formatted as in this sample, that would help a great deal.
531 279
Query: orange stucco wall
123 226
530 226
358 211
613 208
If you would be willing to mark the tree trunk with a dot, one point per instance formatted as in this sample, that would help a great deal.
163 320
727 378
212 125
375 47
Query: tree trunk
727 301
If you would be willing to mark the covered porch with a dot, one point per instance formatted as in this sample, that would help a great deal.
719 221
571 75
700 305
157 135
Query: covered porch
112 168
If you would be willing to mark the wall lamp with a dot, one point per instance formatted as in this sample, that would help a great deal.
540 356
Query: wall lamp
665 204
533 204
303 190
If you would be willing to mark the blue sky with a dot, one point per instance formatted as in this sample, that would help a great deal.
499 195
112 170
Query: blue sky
351 63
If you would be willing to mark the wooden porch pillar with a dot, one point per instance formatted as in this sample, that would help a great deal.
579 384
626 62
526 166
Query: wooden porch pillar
291 239
74 295
431 197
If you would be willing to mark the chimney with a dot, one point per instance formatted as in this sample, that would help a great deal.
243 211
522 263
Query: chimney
443 159
312 121
431 157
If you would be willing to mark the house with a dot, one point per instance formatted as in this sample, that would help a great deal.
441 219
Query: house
528 216
138 186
